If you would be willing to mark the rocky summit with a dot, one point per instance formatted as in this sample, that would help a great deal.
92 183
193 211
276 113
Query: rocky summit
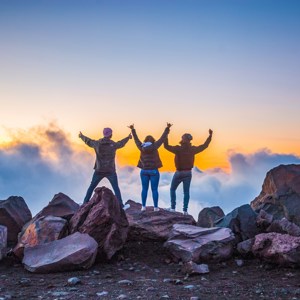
98 250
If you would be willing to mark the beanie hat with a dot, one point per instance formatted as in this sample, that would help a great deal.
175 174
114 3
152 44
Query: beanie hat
187 136
107 132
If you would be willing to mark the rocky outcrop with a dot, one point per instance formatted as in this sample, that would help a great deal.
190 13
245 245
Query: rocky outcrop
276 248
280 195
284 226
14 213
41 231
209 215
3 240
153 225
242 222
60 206
192 243
263 219
75 252
104 219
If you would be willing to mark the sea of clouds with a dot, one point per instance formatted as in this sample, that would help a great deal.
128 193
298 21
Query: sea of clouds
48 163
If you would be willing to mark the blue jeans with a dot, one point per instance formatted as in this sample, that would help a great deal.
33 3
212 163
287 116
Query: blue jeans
97 177
185 177
151 176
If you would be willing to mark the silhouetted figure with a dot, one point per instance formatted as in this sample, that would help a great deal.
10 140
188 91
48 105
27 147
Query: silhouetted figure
184 162
105 150
149 163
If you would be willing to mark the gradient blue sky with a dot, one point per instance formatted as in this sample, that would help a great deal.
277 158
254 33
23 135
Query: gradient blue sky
67 66
232 66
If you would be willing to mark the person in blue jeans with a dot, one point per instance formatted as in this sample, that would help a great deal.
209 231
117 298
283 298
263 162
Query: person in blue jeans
149 163
184 162
105 149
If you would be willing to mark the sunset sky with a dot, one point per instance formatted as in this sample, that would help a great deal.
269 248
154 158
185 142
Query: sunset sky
232 66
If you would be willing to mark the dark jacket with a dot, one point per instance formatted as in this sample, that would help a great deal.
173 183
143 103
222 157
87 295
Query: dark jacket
105 150
149 158
185 153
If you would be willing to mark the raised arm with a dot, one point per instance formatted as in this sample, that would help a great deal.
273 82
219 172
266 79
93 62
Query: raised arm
122 143
205 145
169 147
135 137
159 142
91 143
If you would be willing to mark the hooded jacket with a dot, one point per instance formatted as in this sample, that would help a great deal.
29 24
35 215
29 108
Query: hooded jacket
185 153
149 158
105 150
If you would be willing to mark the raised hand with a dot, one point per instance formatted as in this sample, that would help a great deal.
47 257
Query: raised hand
169 125
131 126
80 134
210 132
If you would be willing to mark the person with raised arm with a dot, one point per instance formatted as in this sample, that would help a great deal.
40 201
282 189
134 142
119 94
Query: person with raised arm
184 162
105 150
149 163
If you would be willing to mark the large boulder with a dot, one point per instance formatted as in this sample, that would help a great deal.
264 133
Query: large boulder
192 243
14 213
276 248
209 215
280 194
3 240
284 226
41 231
153 225
104 219
74 252
242 222
60 206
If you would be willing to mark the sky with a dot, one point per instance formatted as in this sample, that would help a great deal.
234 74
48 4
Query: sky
70 66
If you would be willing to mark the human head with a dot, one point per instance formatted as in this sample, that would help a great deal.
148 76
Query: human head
107 132
186 138
149 138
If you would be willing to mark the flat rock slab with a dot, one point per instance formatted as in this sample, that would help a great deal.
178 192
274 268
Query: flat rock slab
192 243
75 252
153 225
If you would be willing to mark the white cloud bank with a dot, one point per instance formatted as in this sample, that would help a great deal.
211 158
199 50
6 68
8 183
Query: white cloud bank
50 164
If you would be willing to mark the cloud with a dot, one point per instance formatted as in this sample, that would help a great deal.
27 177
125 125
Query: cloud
43 161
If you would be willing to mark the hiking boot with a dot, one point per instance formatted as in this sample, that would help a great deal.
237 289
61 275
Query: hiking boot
170 209
156 209
143 208
185 213
126 206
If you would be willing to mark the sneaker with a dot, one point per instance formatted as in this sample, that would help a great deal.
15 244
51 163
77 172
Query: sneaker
126 206
185 213
170 209
156 209
143 208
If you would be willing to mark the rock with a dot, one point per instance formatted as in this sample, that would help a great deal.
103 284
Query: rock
263 219
197 244
209 215
150 225
103 219
193 268
276 248
14 213
42 230
280 194
284 226
74 252
74 281
125 282
60 206
189 287
239 262
104 293
245 247
3 240
242 222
